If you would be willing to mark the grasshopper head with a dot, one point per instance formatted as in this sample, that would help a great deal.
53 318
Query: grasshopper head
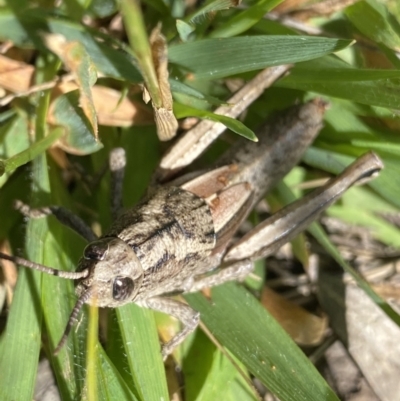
114 273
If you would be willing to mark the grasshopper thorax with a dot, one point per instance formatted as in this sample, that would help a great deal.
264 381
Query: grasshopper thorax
114 273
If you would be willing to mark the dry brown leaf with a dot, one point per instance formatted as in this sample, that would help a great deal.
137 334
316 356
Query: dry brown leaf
60 158
112 109
166 122
115 110
75 58
304 327
389 291
15 76
372 55
327 7
290 5
306 9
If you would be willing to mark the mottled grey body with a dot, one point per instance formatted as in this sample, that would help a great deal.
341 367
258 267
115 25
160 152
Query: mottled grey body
172 234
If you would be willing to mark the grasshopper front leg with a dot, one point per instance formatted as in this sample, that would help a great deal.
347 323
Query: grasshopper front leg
117 163
184 313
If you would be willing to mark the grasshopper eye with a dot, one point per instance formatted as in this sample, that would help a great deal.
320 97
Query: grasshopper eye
96 250
122 288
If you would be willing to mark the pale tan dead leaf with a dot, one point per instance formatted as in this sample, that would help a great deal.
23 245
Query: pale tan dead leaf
369 334
112 109
60 158
290 5
306 9
115 110
304 327
76 59
166 122
372 55
15 76
327 7
389 291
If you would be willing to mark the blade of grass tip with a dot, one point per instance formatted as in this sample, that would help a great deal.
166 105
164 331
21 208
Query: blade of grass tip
139 41
20 345
231 123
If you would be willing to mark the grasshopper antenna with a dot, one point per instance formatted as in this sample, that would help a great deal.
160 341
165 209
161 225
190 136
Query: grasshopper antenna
44 269
63 274
72 319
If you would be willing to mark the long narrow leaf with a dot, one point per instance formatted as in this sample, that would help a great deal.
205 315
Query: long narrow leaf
242 325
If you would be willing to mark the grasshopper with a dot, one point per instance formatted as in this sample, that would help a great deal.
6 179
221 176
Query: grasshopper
180 237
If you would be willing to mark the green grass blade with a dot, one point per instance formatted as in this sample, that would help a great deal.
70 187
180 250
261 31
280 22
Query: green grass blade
29 154
374 20
243 326
332 77
219 58
110 384
142 347
20 344
13 140
139 41
245 19
234 125
210 7
208 372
